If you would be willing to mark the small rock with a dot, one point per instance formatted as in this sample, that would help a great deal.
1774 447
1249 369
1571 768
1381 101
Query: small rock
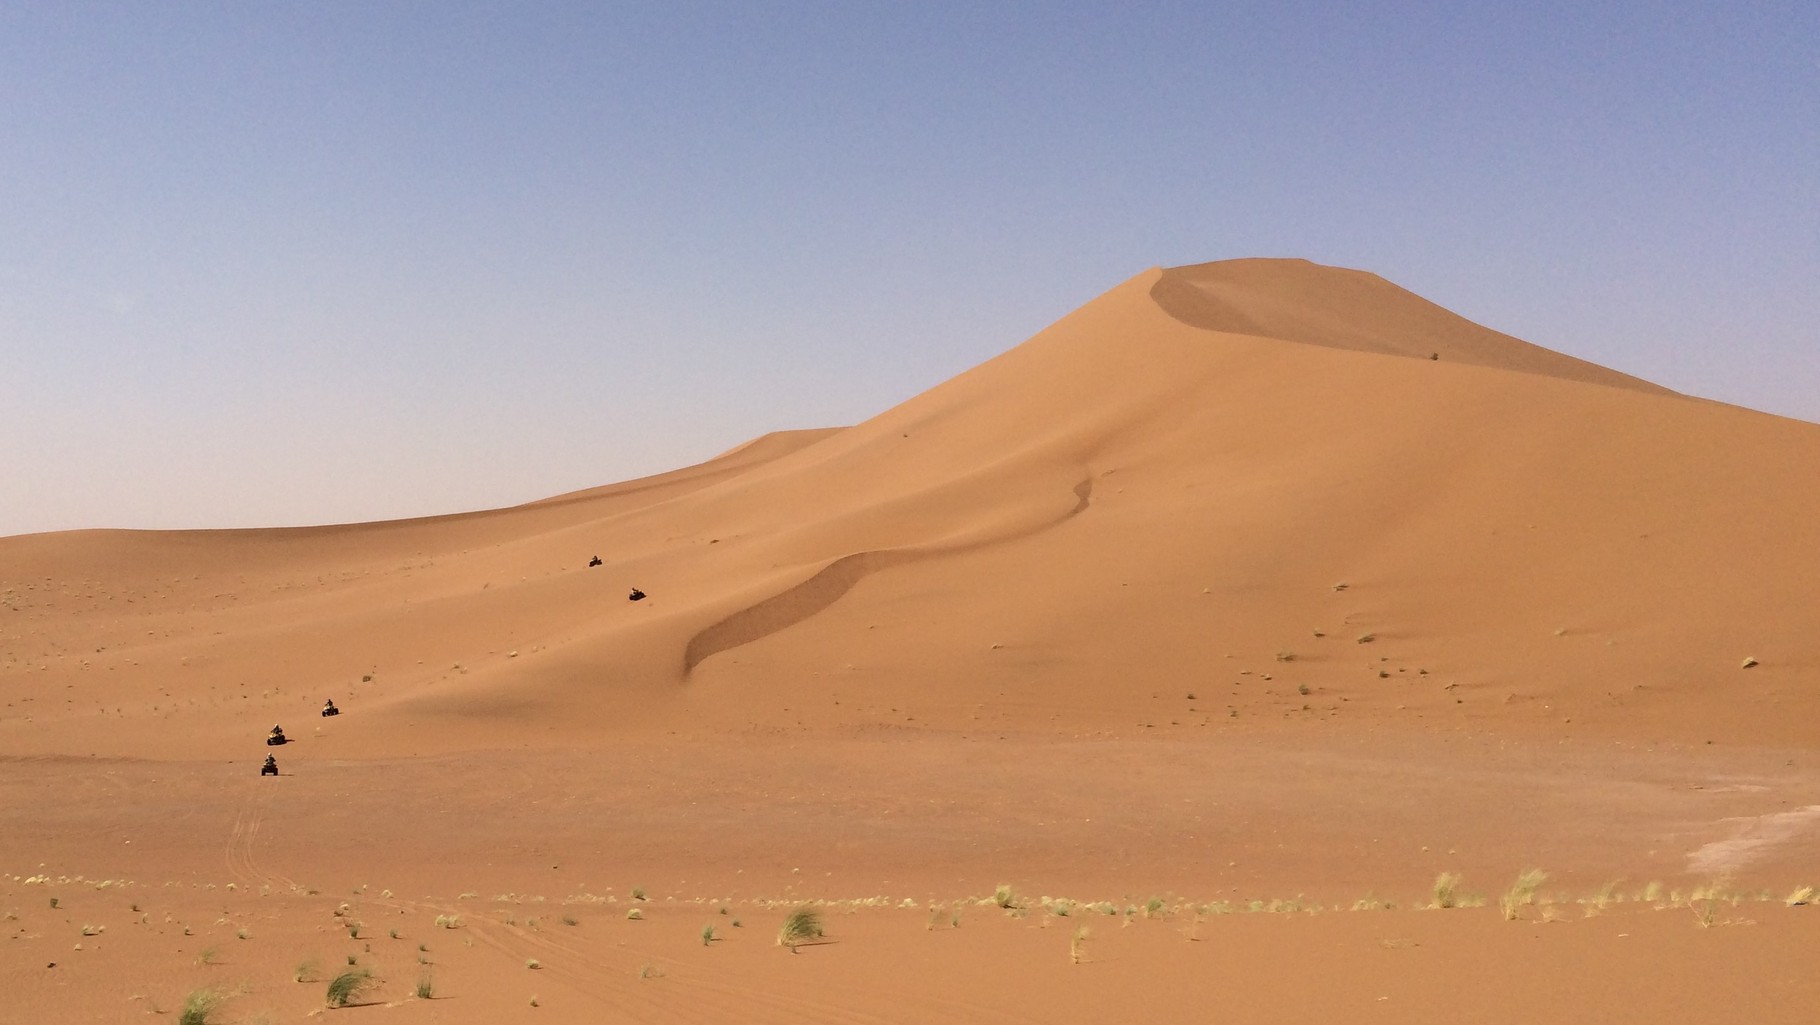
1747 663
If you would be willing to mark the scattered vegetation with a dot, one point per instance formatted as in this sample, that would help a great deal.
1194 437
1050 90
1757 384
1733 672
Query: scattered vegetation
347 987
1077 945
638 893
533 964
799 926
1003 896
209 956
570 920
426 987
1805 895
448 921
707 935
634 914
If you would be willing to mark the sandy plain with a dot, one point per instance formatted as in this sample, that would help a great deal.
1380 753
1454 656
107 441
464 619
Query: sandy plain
1219 619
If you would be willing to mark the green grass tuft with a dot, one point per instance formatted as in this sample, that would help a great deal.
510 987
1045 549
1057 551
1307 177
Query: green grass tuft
707 935
799 926
199 1007
347 987
426 987
1521 892
1446 890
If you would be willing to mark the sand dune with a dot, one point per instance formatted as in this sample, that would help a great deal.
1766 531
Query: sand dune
1220 587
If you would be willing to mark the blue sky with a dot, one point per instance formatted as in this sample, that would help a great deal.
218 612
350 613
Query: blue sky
267 264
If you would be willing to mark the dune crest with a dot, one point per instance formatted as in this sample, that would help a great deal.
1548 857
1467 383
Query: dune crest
1299 301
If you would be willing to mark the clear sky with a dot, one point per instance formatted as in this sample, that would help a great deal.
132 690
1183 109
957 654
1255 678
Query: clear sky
266 264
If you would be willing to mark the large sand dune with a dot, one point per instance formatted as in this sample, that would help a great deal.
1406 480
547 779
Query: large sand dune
1254 578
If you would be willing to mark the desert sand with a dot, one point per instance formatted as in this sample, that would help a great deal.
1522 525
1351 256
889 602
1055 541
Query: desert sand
1215 623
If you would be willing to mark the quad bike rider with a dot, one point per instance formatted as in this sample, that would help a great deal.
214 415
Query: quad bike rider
270 768
328 708
277 737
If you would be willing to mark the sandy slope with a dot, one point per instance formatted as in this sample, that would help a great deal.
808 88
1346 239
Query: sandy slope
1219 587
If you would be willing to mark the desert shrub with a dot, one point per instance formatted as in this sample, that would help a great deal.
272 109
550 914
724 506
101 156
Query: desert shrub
346 987
199 1007
1446 890
1521 892
799 926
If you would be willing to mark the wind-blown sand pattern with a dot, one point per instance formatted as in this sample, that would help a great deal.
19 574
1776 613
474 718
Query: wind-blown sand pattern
1237 605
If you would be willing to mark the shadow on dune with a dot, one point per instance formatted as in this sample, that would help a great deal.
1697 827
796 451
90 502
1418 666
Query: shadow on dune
790 607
